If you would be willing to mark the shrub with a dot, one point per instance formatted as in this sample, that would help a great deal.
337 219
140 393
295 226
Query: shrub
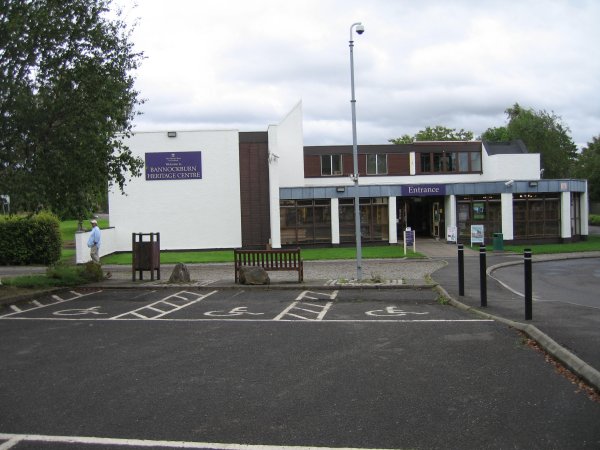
30 240
594 219
91 271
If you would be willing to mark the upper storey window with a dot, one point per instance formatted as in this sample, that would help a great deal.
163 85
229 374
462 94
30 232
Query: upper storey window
450 162
331 165
377 164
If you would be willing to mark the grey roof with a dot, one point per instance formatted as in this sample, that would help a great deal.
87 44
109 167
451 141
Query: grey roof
505 148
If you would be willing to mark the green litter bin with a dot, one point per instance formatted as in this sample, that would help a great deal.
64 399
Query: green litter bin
498 242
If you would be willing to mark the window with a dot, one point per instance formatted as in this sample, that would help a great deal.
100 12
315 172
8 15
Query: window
331 165
475 162
483 210
425 162
374 220
305 221
376 164
536 215
450 162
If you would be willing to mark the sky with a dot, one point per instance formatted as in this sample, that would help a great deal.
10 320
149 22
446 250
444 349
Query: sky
244 64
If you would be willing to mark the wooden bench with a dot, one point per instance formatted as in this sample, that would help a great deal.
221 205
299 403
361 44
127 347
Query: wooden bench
269 260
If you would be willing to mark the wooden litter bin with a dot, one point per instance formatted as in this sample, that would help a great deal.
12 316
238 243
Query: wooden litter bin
145 249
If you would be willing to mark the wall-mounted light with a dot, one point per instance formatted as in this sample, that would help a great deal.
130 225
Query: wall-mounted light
340 189
171 134
533 184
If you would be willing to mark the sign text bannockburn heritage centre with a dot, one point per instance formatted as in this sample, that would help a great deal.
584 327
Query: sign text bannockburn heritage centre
173 166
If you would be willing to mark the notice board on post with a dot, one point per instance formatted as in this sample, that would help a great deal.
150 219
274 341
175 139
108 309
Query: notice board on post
477 234
409 240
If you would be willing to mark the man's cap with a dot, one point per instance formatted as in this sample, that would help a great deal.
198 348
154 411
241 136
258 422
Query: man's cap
93 221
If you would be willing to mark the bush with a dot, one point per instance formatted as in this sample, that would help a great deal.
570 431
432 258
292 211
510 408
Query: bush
30 240
594 219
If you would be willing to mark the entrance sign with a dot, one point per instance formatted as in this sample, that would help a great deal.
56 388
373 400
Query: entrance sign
477 234
409 240
451 234
423 190
173 166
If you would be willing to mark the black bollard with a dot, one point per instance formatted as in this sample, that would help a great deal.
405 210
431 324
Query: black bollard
482 276
528 285
461 270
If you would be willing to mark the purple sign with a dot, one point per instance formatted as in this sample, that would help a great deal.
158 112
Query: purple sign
423 190
173 166
409 237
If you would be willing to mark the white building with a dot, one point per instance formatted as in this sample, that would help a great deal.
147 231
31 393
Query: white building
230 189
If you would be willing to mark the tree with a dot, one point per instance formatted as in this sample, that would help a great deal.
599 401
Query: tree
496 134
67 100
437 133
542 133
588 166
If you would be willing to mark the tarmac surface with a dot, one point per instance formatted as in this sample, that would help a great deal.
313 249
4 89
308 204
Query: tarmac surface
569 333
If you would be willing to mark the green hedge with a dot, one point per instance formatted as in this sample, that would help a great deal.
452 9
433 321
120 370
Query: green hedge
30 240
594 219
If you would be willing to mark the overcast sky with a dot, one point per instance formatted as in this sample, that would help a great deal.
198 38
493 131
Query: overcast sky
244 64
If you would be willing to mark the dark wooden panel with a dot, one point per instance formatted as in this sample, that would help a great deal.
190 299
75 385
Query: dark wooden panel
398 164
254 190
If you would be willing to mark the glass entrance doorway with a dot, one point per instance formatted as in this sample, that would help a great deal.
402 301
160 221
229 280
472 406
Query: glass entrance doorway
425 215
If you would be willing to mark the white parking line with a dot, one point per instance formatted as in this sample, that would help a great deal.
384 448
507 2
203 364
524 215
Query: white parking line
14 439
56 298
152 309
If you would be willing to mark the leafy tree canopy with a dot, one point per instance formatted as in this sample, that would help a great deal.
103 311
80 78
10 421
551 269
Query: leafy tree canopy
437 133
542 133
588 167
67 99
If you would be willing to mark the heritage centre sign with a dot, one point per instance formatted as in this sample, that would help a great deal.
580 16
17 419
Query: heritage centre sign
422 190
173 166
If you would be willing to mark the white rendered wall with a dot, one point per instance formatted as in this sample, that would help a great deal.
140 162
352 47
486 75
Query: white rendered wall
511 167
274 214
286 163
108 245
188 214
287 142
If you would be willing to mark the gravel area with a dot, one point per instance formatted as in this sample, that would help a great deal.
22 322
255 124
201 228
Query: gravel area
395 269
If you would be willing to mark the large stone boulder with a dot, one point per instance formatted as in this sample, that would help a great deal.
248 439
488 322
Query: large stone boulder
180 274
254 275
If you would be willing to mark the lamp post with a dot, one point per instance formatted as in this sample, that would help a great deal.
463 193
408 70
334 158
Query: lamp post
360 29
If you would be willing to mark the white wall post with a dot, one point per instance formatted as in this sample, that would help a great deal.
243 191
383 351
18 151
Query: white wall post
585 212
393 224
450 211
565 215
507 216
335 221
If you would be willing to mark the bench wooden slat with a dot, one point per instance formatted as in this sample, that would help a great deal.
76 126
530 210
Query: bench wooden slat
289 260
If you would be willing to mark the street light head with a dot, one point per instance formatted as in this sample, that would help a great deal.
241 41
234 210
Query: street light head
360 29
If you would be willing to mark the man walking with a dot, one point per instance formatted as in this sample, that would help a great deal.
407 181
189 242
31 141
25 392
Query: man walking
94 242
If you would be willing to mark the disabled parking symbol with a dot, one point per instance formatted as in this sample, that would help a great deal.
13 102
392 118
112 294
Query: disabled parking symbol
392 311
239 311
79 311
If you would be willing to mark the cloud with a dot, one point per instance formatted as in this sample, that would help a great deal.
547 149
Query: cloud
239 64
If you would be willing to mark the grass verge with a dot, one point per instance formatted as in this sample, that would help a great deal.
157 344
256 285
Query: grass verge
591 244
68 228
309 254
